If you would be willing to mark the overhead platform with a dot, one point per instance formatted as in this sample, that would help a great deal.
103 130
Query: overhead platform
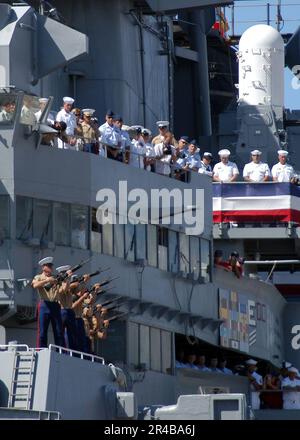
166 5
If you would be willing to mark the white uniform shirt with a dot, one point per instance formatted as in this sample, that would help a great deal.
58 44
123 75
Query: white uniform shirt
124 139
255 394
291 399
69 119
256 171
137 153
149 152
283 173
38 115
225 171
109 135
162 166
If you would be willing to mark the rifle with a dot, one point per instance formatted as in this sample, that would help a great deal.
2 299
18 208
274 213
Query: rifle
61 277
105 282
91 275
113 318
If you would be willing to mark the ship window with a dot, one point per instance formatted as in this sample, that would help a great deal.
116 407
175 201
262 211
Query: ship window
205 260
24 217
152 245
79 221
184 258
119 238
107 239
155 344
133 346
62 224
42 220
173 251
4 217
145 345
96 233
166 351
140 241
195 257
30 107
129 242
7 108
162 248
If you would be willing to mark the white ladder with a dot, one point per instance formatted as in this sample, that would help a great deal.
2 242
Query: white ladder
20 394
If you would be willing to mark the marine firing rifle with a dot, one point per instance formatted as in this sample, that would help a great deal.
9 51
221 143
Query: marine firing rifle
61 277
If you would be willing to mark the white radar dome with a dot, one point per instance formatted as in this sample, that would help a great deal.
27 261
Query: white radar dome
261 66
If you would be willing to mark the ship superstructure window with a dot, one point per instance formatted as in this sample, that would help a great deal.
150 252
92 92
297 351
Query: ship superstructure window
62 223
96 233
24 218
42 220
107 239
149 346
129 242
141 242
184 249
7 108
79 221
162 248
119 239
205 260
195 257
173 252
152 245
4 217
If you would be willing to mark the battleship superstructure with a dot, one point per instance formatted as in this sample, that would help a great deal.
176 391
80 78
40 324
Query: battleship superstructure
173 295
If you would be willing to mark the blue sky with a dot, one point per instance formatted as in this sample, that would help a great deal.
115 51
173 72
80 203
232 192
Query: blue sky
250 12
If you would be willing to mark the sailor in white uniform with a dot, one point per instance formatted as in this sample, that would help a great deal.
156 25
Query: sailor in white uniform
137 148
225 171
66 115
149 149
282 171
256 171
291 390
256 383
43 103
164 153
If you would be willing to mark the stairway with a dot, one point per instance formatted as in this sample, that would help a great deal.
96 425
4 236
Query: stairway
20 395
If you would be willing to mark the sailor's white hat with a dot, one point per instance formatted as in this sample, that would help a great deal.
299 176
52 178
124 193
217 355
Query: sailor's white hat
161 124
286 364
63 268
283 152
207 154
47 260
138 128
293 370
146 132
224 152
254 152
251 362
88 111
126 127
68 100
43 100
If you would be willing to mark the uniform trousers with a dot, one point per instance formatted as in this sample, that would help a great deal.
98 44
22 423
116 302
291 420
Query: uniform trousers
49 312
69 324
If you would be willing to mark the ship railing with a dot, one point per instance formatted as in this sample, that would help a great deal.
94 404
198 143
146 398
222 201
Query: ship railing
77 354
19 347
